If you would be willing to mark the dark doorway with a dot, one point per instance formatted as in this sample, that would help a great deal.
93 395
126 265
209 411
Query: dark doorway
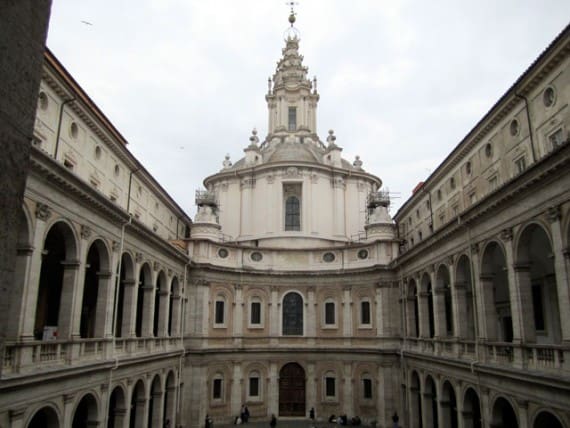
292 390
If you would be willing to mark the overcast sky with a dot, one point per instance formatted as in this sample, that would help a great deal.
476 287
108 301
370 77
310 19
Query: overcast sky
401 82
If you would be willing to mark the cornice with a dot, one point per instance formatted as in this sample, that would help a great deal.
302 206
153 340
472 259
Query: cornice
74 187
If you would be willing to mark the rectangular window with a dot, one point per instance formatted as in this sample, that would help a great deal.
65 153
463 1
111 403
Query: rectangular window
538 308
556 138
330 387
367 388
292 118
329 313
219 316
365 312
217 389
254 387
520 165
256 313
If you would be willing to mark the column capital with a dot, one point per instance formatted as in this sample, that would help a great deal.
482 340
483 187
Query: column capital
115 246
139 257
475 248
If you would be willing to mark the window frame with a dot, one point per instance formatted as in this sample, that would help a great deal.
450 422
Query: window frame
254 375
361 322
292 114
218 379
329 381
250 322
326 321
220 300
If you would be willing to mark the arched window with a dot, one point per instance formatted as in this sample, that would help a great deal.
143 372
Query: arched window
293 315
292 213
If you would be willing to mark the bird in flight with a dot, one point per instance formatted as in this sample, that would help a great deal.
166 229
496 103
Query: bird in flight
86 23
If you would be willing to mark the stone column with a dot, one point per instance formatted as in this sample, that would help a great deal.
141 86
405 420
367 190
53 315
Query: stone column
157 408
164 314
129 308
238 313
71 296
148 306
274 315
246 207
17 418
347 313
439 316
176 306
459 299
273 390
523 414
105 304
72 290
348 390
141 411
561 269
410 317
423 313
382 292
524 286
67 418
311 315
487 311
516 306
30 297
236 389
311 386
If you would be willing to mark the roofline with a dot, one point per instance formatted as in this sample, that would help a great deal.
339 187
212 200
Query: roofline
564 34
78 91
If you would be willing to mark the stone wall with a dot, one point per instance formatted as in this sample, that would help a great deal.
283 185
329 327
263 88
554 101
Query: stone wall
23 31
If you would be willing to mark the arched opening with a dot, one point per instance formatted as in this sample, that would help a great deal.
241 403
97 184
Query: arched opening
415 402
59 250
144 282
46 417
96 263
443 285
546 420
464 291
448 406
472 410
292 390
171 305
537 280
495 290
159 295
412 310
503 415
126 276
117 409
86 413
138 406
430 403
169 410
155 404
292 314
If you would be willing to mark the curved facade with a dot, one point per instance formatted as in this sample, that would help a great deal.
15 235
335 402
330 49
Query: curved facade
293 288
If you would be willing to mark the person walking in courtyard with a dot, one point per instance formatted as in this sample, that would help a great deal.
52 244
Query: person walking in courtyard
273 422
395 420
312 413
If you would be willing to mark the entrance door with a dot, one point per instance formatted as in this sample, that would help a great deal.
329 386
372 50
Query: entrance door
292 390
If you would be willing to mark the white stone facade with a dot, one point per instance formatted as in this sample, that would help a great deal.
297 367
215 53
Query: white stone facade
294 288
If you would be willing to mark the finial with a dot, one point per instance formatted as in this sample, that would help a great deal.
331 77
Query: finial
254 138
292 32
269 85
357 162
331 138
314 84
292 18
